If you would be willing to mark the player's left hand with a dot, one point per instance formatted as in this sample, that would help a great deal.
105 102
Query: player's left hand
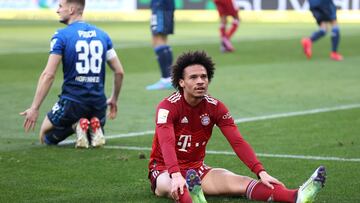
268 180
31 116
178 184
112 108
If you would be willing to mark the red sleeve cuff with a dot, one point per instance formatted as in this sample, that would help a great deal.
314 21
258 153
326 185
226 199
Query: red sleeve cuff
257 169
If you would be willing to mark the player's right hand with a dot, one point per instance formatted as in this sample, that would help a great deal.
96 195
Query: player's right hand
177 185
112 108
268 180
31 116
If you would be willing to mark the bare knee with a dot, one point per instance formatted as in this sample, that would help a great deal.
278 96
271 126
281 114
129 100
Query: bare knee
224 182
163 184
236 184
162 192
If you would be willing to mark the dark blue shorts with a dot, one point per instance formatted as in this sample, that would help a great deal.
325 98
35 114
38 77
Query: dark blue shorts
64 114
324 13
162 21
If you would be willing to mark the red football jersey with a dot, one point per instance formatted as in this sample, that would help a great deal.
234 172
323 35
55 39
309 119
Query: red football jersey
226 7
182 133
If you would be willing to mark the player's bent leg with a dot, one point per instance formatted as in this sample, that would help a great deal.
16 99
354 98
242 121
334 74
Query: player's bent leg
163 183
63 116
256 190
220 181
222 28
223 182
52 135
318 34
46 126
56 135
233 28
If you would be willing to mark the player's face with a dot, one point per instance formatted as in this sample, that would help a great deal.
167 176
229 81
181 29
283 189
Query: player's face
195 82
64 11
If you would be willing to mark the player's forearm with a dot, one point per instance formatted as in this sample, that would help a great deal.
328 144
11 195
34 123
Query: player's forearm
116 66
242 149
167 144
118 79
43 87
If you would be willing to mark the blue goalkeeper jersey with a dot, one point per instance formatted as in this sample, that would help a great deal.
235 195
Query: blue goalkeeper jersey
83 48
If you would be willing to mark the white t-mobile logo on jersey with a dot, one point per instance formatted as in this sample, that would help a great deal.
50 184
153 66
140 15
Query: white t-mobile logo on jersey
184 142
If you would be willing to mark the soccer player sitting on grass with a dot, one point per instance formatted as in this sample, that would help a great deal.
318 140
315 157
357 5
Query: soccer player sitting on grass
83 50
184 124
324 11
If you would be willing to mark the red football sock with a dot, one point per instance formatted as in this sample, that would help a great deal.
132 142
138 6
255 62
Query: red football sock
233 28
260 192
185 198
222 30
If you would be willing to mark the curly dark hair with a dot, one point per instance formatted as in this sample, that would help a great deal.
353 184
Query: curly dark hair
191 58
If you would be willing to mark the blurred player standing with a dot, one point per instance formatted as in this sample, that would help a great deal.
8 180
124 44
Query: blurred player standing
227 8
184 124
83 50
324 12
162 24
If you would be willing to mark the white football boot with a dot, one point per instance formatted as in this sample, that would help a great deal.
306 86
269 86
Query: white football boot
96 133
82 127
307 192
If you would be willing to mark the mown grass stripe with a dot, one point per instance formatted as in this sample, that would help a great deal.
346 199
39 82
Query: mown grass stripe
285 156
243 120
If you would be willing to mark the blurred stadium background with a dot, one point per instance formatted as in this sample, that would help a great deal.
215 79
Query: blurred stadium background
190 10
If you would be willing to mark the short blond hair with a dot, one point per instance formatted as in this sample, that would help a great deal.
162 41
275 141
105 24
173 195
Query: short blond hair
80 3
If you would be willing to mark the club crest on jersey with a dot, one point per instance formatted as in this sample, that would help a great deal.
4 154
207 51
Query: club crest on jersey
205 119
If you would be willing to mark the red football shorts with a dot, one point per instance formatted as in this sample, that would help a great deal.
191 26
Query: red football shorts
154 174
226 7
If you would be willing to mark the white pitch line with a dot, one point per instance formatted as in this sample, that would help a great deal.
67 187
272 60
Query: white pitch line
243 120
285 156
257 118
298 113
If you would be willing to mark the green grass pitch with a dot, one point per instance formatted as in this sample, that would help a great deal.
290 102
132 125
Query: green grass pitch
267 75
